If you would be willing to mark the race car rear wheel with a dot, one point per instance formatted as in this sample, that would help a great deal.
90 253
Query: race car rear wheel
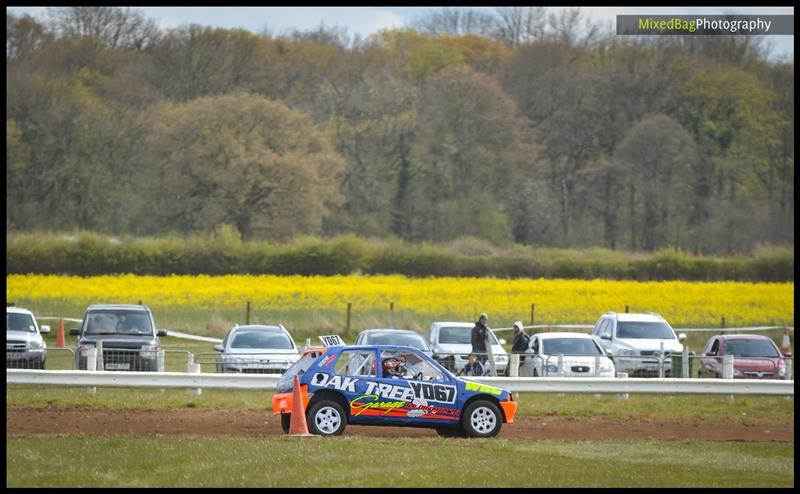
286 422
326 418
481 418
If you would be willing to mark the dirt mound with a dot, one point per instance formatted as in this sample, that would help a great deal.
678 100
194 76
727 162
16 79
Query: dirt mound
251 422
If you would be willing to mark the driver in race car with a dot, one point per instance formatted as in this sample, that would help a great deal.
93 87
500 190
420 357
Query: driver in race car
394 366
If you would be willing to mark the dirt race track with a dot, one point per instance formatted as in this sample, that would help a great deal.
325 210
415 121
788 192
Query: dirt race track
261 423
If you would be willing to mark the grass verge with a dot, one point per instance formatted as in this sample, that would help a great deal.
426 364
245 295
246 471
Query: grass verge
89 461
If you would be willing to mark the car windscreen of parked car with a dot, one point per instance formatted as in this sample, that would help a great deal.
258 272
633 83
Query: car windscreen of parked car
20 322
399 340
261 339
651 330
460 336
569 346
750 348
118 322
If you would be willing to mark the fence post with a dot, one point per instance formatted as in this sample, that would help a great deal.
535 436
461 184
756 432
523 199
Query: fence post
622 375
193 368
91 365
626 309
661 360
247 316
100 365
685 362
533 312
391 309
513 361
788 362
160 360
308 343
723 322
727 366
492 367
560 363
347 323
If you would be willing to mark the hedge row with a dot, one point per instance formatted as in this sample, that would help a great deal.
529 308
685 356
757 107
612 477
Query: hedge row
89 254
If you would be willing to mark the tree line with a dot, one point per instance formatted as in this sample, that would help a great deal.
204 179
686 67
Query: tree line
516 125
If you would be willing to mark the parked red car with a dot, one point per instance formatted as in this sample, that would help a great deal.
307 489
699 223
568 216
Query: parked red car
754 357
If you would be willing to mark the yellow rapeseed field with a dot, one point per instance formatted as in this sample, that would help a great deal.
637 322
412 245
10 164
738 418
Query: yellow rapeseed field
687 304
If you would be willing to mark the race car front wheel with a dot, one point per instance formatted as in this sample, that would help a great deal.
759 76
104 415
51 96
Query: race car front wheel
481 418
326 418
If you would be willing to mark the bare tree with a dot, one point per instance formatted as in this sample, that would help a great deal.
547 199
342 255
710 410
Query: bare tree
24 37
117 27
457 21
520 25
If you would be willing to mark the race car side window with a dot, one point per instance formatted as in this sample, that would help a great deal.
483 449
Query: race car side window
356 363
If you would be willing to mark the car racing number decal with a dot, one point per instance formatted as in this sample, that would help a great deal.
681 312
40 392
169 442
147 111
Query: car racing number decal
392 400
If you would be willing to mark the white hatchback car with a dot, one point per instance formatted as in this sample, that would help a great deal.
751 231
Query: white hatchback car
451 343
25 347
566 355
257 349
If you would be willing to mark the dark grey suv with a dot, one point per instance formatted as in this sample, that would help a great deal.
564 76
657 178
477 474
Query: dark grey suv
128 334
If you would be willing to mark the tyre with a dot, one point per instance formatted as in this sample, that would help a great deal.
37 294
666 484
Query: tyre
326 418
481 418
450 432
286 422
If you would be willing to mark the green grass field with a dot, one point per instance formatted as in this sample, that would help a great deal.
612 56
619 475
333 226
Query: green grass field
86 461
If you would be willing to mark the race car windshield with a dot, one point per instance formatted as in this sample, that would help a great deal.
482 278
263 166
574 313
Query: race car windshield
750 348
644 330
460 336
569 346
410 366
20 322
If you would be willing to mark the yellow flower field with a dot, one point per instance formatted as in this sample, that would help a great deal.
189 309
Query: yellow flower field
687 304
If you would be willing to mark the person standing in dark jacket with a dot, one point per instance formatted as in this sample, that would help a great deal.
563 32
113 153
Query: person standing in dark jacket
479 334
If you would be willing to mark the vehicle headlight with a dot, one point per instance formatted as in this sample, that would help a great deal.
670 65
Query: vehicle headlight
736 372
552 368
149 351
83 350
502 358
625 352
34 345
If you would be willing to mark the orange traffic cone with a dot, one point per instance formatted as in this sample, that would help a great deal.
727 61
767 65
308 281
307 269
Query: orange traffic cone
786 345
298 426
60 343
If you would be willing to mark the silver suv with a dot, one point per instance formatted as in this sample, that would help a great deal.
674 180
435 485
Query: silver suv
25 347
635 342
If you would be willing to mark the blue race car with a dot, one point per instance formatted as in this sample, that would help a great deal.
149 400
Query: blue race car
389 385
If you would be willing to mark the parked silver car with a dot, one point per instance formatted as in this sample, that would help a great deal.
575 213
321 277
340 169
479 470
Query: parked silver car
257 349
401 337
25 347
635 342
